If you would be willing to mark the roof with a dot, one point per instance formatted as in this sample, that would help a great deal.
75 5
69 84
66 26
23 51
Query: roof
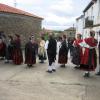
70 29
89 5
80 17
9 9
47 30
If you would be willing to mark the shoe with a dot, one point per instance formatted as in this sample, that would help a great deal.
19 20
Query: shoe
77 67
98 73
86 75
42 62
2 58
29 65
63 66
6 62
53 70
49 71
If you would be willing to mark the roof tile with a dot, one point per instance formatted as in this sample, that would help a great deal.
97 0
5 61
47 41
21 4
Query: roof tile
9 9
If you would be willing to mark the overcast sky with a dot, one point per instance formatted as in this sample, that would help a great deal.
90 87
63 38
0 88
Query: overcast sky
57 14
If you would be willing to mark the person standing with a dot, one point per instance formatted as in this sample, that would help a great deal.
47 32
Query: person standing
41 50
17 52
77 51
51 47
30 52
2 49
63 52
89 58
59 44
9 49
70 45
98 73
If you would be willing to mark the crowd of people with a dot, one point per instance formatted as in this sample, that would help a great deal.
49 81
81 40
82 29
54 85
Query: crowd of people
11 49
82 51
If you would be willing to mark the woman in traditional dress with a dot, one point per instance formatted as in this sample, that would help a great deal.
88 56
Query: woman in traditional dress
17 52
59 44
89 58
98 73
30 52
70 46
63 52
77 52
42 51
2 49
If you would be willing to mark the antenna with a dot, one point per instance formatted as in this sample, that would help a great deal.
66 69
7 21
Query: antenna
15 3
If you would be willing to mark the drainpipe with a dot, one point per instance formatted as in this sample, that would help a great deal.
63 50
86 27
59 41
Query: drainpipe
99 7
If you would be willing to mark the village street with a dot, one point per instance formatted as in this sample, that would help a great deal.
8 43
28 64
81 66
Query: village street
22 83
27 25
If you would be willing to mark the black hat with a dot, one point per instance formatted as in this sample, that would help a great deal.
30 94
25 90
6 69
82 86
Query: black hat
92 33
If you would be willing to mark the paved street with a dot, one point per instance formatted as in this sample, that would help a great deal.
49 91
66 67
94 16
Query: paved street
21 83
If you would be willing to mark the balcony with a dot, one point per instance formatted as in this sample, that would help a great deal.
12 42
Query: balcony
88 22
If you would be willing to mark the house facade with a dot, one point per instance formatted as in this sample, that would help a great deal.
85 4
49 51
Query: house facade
91 18
80 25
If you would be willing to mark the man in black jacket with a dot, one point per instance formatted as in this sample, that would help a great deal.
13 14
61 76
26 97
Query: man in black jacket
51 47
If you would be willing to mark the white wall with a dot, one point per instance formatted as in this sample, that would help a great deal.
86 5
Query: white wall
80 26
93 13
96 12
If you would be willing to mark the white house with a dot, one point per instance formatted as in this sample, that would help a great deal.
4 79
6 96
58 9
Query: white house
92 17
80 25
90 20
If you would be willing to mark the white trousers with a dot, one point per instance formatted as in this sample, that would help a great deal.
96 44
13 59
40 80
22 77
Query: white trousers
50 68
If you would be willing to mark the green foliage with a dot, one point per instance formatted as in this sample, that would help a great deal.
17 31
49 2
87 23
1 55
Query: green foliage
46 36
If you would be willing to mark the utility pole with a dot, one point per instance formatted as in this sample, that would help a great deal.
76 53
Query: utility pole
15 3
73 26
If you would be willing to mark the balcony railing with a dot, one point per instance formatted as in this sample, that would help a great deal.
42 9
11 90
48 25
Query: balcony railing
88 22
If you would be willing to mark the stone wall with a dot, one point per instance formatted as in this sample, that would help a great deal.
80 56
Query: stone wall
19 24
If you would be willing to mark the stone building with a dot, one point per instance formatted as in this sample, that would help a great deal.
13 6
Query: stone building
16 21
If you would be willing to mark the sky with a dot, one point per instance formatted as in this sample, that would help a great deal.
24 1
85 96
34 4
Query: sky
57 14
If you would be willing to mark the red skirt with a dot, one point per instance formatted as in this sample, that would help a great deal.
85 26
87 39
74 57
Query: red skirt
29 59
17 57
62 59
2 50
89 60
